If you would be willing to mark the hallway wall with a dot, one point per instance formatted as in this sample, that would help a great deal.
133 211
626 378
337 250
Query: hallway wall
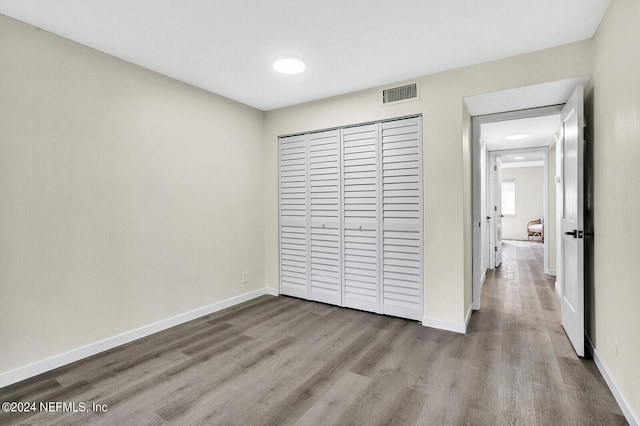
613 117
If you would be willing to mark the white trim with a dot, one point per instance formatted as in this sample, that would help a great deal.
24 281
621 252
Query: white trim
552 272
622 402
456 327
558 289
39 367
468 318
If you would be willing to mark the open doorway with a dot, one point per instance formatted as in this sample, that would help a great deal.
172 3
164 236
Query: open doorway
517 149
569 202
520 190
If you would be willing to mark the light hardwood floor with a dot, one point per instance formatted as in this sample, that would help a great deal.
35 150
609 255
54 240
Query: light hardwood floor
279 360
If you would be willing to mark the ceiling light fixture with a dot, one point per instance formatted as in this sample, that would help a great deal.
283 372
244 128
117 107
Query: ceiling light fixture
289 66
517 137
518 158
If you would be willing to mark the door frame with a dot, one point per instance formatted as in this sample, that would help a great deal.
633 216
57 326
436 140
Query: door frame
476 167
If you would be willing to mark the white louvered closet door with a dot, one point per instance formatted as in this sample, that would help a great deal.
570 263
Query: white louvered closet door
402 218
360 217
351 217
324 192
294 247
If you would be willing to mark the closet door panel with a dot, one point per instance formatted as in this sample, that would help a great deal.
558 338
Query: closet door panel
402 218
360 216
324 193
293 204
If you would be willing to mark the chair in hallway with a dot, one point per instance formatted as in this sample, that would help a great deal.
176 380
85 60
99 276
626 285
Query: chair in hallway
535 228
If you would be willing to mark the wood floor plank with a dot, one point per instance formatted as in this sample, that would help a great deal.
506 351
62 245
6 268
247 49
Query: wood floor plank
281 360
333 406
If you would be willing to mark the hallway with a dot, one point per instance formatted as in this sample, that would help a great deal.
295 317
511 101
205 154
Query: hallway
535 373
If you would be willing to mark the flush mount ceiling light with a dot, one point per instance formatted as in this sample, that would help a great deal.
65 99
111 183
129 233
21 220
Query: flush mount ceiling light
289 66
517 137
518 158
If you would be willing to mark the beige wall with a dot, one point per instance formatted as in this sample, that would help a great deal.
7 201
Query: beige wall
126 197
467 214
446 161
616 204
529 200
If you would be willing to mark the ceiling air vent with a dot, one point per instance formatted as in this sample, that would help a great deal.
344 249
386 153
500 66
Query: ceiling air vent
400 93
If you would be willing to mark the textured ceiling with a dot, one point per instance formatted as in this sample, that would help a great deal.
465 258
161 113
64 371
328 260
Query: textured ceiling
228 46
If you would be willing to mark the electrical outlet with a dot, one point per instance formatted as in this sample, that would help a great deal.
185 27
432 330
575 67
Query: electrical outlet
245 278
616 348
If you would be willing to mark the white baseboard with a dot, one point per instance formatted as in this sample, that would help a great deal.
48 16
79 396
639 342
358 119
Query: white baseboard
39 367
456 327
558 290
552 272
631 417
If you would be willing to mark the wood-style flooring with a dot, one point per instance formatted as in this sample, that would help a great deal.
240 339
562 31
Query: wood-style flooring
279 360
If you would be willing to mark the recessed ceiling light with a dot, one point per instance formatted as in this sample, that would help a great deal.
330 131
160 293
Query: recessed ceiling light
289 66
517 137
518 158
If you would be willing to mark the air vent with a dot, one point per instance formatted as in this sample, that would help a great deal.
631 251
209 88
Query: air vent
400 93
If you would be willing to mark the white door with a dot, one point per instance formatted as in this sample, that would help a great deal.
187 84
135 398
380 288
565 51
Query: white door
497 209
294 242
324 193
572 283
495 216
361 285
402 218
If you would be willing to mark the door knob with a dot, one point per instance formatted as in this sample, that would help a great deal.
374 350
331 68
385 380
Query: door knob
488 217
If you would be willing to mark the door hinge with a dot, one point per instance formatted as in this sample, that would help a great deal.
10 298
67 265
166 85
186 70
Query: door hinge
495 168
584 133
495 249
495 208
